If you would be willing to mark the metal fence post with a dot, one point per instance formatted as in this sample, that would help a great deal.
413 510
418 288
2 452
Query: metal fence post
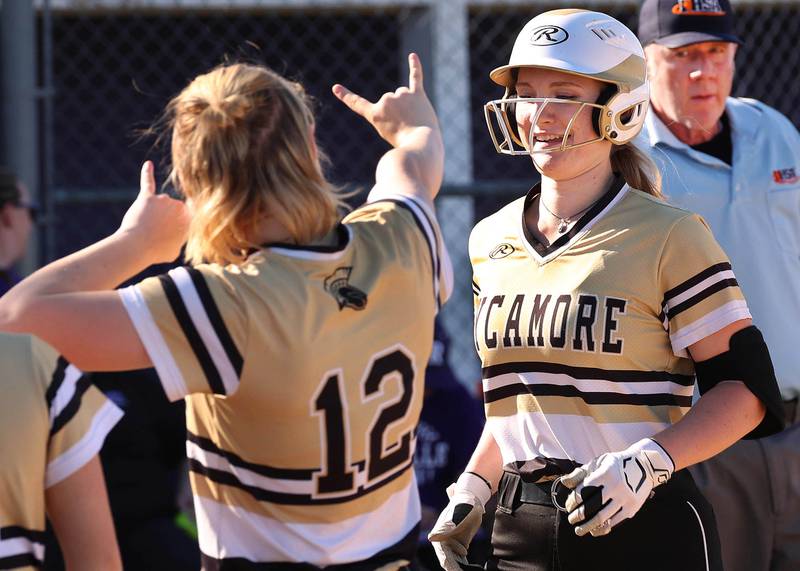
451 93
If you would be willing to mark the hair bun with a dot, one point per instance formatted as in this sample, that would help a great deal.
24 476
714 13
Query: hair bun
235 107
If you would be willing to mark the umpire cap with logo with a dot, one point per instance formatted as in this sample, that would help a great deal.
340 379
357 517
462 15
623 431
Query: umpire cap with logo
677 23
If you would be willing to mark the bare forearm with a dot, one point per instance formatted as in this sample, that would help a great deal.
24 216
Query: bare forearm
419 158
427 149
721 417
487 460
99 267
78 508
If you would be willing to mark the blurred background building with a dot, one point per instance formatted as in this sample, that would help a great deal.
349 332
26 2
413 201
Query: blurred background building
82 79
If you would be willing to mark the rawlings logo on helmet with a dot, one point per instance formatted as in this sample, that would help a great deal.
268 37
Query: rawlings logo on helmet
548 36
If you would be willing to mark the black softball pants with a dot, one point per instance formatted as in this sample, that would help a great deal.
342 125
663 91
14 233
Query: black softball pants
674 531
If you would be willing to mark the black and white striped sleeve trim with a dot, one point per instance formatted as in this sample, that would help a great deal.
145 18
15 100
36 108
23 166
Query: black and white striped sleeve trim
64 396
697 288
150 335
441 267
690 293
21 547
202 325
77 455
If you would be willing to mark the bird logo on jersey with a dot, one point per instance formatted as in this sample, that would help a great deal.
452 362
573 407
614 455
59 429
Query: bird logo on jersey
345 294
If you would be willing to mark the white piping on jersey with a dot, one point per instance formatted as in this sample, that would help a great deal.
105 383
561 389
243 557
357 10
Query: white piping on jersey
248 477
552 255
21 546
82 451
691 292
199 316
168 371
311 254
448 277
702 533
427 219
65 392
230 531
588 385
710 323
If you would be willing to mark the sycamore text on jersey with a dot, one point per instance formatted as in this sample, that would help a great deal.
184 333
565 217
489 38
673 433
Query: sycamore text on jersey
550 313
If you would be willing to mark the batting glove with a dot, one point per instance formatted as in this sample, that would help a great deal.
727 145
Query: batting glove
614 486
460 521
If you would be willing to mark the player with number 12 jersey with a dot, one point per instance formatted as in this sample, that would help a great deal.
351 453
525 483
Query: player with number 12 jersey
298 338
323 437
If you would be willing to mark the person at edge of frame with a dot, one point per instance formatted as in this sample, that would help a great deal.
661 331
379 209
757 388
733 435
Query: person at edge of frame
144 467
17 219
52 425
736 162
596 304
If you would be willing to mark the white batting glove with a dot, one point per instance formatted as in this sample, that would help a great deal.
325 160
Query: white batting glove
614 486
459 521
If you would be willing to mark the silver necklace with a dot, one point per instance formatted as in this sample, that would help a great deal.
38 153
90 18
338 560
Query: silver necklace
563 223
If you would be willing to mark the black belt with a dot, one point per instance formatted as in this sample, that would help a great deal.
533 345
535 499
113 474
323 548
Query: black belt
514 490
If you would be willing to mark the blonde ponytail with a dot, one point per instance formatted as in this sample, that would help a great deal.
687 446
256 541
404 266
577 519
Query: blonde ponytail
243 150
637 168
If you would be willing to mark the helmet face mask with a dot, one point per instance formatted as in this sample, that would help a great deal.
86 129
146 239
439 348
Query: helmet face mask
582 43
503 129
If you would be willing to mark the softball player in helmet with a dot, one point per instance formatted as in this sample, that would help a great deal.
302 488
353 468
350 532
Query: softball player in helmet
596 304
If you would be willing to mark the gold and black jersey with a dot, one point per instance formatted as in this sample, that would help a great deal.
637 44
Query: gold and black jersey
303 370
52 422
584 343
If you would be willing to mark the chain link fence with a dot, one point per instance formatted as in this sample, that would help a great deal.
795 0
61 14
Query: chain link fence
110 67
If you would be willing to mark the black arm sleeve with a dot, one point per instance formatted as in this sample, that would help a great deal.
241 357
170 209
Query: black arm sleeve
748 361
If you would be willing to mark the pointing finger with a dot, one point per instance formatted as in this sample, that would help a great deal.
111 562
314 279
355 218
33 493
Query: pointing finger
353 101
415 73
147 180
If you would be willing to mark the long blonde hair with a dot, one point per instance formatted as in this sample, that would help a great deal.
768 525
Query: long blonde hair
637 168
243 150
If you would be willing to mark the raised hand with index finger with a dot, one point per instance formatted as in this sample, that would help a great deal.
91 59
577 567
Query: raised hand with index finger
396 114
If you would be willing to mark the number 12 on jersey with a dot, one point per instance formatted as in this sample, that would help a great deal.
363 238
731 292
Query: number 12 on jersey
339 474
